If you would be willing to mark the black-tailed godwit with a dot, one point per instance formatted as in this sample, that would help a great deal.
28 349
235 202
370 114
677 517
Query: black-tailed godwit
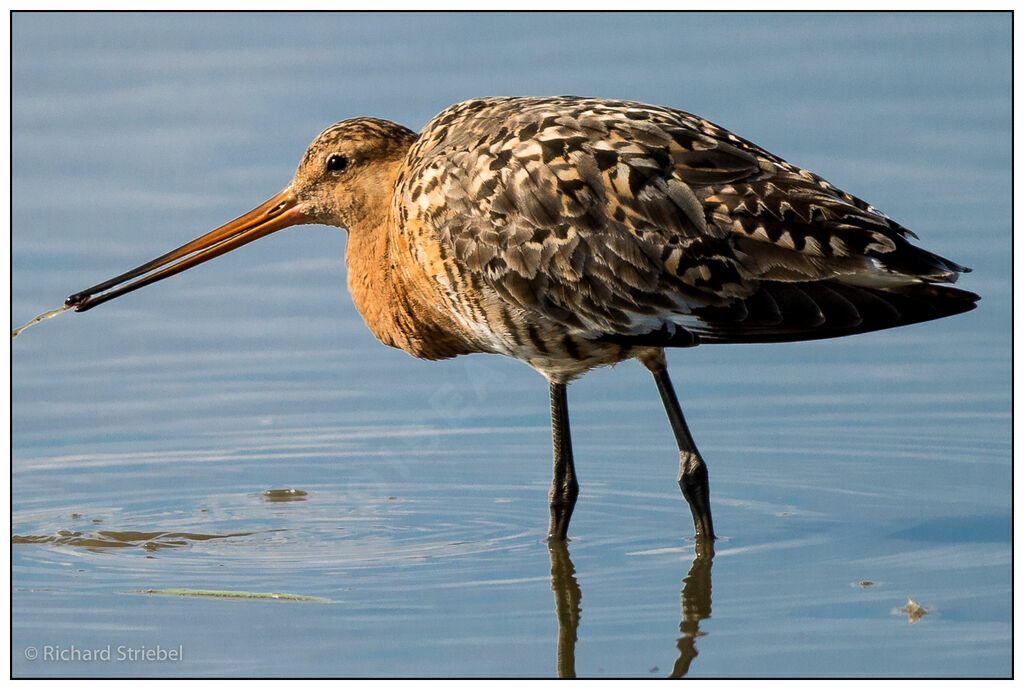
573 233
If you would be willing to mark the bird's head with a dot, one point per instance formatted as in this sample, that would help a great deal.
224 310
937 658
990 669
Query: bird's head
347 175
346 179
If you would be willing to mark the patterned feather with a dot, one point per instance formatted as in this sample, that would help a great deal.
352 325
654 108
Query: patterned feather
637 224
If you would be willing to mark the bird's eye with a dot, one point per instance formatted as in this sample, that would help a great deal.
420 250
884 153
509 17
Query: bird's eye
337 162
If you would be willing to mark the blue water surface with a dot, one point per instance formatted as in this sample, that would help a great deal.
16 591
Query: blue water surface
847 476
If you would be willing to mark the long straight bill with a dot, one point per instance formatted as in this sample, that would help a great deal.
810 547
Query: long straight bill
278 212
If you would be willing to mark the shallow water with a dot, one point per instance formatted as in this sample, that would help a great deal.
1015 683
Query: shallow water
847 476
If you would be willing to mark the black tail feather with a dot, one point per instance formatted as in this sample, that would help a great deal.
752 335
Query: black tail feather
787 312
841 309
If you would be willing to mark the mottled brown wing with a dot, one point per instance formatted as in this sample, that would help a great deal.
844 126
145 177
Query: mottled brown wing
619 219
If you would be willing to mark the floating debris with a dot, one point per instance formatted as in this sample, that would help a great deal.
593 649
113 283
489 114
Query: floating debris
218 594
109 539
274 495
914 611
41 317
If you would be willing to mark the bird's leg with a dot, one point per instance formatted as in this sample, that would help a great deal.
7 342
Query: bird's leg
693 473
564 487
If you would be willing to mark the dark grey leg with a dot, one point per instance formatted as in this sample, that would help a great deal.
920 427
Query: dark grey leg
693 473
564 487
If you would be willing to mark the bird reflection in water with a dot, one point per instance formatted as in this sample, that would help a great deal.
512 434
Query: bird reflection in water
695 595
567 606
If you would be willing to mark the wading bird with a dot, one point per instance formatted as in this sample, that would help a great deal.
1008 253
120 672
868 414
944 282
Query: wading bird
574 233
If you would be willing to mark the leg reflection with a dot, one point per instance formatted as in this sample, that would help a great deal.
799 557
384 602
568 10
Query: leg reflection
696 596
567 606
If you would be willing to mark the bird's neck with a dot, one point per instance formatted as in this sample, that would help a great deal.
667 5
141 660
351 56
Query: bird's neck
388 290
